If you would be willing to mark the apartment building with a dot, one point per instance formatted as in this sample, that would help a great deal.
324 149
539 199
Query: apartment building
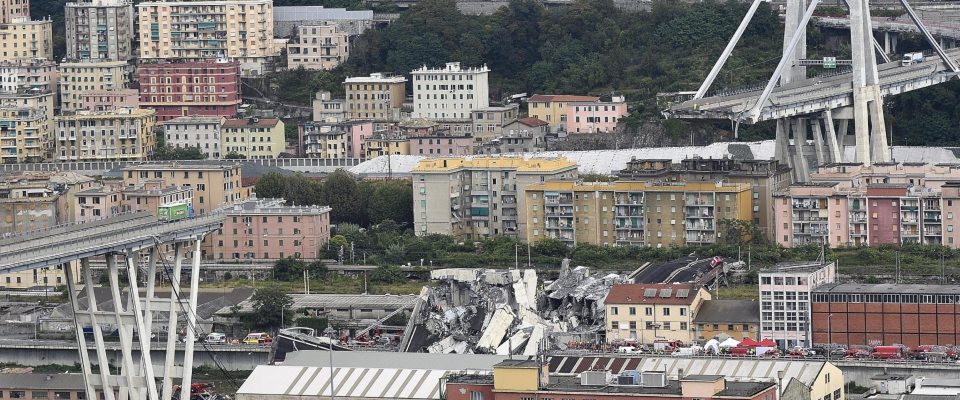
765 178
107 100
318 47
267 229
650 312
441 143
9 9
520 136
633 213
885 314
148 195
595 117
378 97
253 137
213 185
24 39
124 134
79 78
241 30
326 107
489 122
203 132
477 197
100 30
208 88
26 125
22 75
785 292
553 108
385 143
848 204
448 95
98 202
334 139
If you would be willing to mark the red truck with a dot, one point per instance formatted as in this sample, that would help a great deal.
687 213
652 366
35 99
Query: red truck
887 353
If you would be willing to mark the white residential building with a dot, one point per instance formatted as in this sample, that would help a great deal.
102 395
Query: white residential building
451 93
202 131
785 300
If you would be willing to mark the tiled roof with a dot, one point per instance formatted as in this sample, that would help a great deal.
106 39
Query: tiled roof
546 98
660 293
246 123
532 121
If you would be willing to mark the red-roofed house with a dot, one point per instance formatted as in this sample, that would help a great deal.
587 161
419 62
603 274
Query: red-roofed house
647 312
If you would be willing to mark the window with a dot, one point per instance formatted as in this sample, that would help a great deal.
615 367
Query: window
666 311
648 311
476 395
39 395
61 395
683 311
613 311
666 326
17 394
683 326
836 394
633 311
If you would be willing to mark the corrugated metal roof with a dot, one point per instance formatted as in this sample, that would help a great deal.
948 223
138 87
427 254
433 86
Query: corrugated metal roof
373 301
736 369
361 359
318 13
391 383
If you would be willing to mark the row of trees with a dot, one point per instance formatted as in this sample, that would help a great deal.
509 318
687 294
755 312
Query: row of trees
352 201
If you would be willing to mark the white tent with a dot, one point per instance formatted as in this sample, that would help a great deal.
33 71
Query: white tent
712 347
730 342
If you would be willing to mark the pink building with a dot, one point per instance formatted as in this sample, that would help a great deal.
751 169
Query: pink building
149 195
595 117
267 229
884 213
441 145
356 133
98 202
106 100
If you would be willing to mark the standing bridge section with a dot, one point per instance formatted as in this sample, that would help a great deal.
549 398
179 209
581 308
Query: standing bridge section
128 243
820 109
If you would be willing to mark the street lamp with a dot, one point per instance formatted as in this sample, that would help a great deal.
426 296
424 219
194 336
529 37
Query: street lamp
331 334
829 336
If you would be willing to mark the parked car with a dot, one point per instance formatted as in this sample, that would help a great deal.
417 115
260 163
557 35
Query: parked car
257 338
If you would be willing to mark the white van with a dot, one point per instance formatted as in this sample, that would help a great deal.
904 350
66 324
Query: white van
216 338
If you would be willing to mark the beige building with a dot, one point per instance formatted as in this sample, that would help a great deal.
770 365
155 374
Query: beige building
213 185
318 47
21 75
150 194
488 122
378 97
99 30
124 134
325 107
241 30
381 144
478 197
650 312
79 78
23 39
9 9
633 213
553 108
253 137
26 126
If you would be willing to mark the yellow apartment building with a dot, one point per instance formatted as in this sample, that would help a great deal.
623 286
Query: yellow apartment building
553 108
378 97
79 78
649 312
10 9
213 186
253 137
124 134
241 30
26 126
382 145
23 39
317 47
479 196
634 213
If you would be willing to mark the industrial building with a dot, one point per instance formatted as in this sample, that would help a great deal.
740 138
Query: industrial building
785 291
886 314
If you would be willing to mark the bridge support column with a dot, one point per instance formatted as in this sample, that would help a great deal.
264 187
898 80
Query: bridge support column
833 147
818 145
782 149
801 168
889 42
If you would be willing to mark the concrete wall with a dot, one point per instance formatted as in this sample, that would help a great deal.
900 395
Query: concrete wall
230 357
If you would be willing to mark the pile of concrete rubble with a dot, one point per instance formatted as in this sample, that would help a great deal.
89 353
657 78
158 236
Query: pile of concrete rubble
505 311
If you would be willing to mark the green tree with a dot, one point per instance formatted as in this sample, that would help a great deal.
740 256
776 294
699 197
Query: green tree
288 269
391 200
271 306
342 195
387 274
295 189
233 155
